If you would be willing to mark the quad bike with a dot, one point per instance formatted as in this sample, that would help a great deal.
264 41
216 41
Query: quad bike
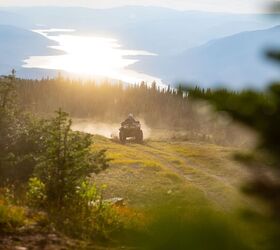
131 130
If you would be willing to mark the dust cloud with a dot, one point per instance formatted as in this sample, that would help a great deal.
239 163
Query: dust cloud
109 130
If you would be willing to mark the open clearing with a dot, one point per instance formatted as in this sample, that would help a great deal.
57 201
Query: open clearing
198 174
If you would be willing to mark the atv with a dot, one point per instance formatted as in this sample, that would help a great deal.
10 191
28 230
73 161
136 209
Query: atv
131 130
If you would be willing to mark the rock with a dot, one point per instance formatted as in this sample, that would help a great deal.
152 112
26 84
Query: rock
53 238
117 201
20 248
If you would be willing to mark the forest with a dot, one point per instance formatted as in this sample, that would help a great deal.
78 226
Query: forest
159 108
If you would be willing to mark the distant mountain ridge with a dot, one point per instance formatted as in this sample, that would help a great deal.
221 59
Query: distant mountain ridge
179 38
155 29
236 60
17 44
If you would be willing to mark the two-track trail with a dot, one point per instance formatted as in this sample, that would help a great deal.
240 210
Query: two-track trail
197 173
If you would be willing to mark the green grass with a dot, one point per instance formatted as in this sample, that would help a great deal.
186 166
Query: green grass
199 174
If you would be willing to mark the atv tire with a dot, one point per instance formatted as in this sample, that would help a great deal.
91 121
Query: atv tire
122 137
139 137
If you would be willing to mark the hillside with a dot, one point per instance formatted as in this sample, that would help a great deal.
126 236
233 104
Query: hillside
236 60
199 174
13 51
14 19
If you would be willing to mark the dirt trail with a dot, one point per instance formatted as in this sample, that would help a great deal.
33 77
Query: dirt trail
193 172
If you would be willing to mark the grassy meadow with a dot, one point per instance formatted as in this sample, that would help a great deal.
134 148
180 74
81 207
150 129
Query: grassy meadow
200 174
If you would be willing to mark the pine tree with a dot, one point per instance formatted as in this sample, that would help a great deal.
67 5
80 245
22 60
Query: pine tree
66 159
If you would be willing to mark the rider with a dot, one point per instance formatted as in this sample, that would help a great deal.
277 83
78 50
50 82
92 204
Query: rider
129 120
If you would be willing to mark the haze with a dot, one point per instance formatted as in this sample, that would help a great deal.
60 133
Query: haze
239 6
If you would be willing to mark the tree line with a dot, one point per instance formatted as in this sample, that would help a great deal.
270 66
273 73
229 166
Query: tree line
161 108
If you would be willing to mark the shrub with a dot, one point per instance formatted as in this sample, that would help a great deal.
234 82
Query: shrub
60 185
65 160
87 215
11 216
36 194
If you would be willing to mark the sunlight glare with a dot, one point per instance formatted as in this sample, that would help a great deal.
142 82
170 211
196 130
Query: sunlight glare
90 56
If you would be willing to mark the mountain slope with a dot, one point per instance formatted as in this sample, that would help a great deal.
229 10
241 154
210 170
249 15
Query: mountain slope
17 44
14 19
159 30
235 60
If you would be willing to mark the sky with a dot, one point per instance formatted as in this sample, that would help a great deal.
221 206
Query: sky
238 6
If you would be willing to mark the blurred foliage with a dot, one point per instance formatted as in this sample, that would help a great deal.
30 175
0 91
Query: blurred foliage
11 216
198 230
275 6
260 111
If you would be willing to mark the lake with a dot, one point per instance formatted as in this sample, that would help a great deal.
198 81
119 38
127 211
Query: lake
90 57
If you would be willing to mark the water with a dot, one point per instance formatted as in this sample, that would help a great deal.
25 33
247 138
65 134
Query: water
89 57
